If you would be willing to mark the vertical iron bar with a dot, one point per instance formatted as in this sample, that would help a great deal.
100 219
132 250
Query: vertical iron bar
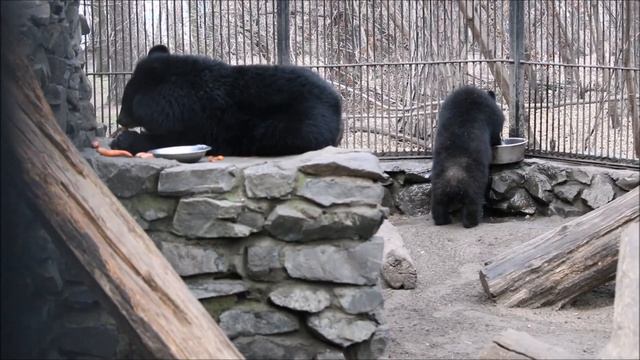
283 32
516 31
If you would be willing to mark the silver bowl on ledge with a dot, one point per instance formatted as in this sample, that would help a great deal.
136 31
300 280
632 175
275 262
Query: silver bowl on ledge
511 151
186 154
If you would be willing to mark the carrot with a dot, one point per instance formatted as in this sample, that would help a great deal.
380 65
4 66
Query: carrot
145 155
113 153
215 158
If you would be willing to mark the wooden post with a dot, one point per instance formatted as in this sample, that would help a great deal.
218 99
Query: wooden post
555 267
398 269
117 253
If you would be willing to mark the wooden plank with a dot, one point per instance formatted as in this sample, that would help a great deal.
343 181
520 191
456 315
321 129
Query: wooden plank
512 344
626 329
561 264
117 253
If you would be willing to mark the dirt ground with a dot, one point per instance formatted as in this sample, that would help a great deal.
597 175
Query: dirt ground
448 316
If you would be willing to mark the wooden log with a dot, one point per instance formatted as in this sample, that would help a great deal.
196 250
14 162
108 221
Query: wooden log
624 337
512 344
561 264
398 269
81 211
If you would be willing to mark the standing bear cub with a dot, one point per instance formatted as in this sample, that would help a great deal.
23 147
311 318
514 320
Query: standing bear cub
253 110
469 124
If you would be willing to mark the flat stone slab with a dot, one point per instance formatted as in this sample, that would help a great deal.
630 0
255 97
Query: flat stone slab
340 328
359 299
328 191
197 178
356 164
301 298
189 259
257 320
208 288
359 265
269 181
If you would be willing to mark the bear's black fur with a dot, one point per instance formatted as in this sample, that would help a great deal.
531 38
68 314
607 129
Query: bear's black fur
252 110
469 124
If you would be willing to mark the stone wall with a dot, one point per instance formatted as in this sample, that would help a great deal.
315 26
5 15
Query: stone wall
52 31
280 251
531 187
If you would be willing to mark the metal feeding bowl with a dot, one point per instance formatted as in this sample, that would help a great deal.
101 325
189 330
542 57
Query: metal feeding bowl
186 154
511 151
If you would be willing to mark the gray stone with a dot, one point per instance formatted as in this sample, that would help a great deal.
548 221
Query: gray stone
340 328
37 11
629 182
55 94
88 341
331 355
298 221
263 263
538 185
358 300
269 181
204 217
217 177
579 175
257 319
503 181
600 192
128 177
409 172
357 164
414 200
551 172
359 265
563 209
278 347
568 191
520 202
329 191
301 298
188 259
80 297
209 208
152 207
252 219
374 348
204 288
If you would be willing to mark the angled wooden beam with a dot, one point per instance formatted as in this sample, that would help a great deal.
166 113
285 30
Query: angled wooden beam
97 229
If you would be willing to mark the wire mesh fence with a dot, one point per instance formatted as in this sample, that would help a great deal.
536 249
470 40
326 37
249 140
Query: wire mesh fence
393 62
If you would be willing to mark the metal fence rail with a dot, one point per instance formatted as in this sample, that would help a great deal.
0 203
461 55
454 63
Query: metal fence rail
565 72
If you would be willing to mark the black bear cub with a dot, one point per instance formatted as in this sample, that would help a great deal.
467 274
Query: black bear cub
469 124
253 110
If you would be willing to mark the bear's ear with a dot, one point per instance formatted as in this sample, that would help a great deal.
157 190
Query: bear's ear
158 49
492 94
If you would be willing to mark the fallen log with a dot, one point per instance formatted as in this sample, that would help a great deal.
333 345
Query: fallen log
624 337
79 209
561 264
512 344
398 268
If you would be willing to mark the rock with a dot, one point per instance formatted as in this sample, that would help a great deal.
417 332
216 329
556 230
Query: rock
568 191
269 181
55 94
129 177
329 191
298 221
37 11
629 182
538 186
210 208
600 192
359 265
88 341
252 219
188 259
331 355
503 181
414 200
198 178
208 288
340 328
520 202
201 217
374 348
278 347
550 171
563 209
579 175
256 320
410 172
151 208
80 297
263 263
301 298
358 300
356 164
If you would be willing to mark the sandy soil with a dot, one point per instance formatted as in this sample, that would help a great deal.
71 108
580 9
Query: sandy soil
449 315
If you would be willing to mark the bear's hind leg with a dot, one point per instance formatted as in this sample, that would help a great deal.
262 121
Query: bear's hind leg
471 213
440 211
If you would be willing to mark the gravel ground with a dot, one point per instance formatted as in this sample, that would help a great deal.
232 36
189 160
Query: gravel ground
448 316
